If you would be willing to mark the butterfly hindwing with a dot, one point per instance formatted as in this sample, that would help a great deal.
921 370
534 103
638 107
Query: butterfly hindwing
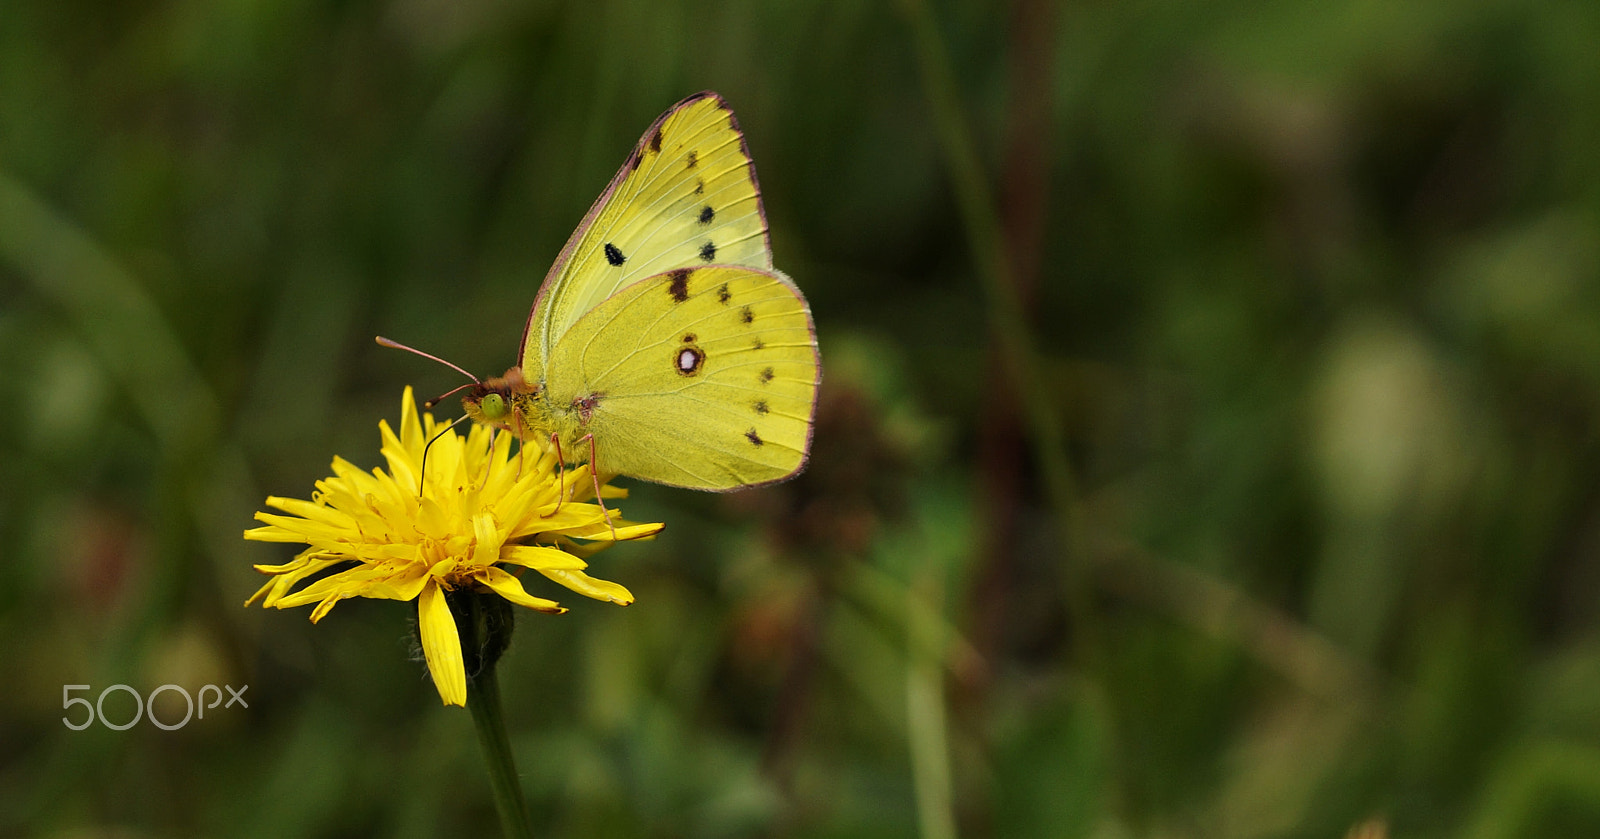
686 196
700 377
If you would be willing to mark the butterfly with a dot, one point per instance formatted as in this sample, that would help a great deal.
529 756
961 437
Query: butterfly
663 345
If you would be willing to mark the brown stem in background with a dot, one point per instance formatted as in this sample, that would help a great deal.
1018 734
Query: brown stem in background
1025 192
1025 186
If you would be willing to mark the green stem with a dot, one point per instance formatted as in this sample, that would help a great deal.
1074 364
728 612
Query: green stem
483 699
925 708
485 623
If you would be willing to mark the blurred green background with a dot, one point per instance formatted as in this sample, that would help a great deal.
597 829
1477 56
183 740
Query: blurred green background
1292 530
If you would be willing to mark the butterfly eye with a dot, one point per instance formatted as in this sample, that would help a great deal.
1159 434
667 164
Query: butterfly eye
493 406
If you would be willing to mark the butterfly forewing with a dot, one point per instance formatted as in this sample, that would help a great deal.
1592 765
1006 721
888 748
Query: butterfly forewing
687 196
703 378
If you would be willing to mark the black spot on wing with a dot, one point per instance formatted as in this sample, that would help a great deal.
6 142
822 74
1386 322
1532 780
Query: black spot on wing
708 251
613 255
753 437
655 141
746 315
699 187
758 344
767 374
707 214
723 294
761 406
635 159
678 289
692 160
688 338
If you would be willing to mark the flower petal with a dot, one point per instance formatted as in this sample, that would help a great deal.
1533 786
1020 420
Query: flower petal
405 584
301 560
272 533
590 587
301 527
355 582
310 563
310 510
538 556
570 515
489 540
441 645
410 426
326 606
623 532
271 583
511 589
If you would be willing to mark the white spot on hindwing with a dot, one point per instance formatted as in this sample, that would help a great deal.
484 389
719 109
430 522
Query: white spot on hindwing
689 360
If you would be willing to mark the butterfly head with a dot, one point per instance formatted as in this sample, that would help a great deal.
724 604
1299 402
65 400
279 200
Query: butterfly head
493 402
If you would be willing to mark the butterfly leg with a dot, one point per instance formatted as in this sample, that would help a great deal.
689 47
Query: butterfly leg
517 418
488 460
594 475
561 468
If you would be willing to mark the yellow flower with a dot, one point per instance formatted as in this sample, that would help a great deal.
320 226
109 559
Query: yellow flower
480 510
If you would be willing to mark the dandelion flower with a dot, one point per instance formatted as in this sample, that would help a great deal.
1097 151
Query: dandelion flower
481 511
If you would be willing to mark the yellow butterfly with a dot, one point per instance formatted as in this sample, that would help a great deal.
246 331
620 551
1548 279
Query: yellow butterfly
663 345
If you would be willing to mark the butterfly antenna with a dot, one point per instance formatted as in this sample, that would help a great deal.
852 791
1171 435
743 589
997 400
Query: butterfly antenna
423 481
396 345
443 396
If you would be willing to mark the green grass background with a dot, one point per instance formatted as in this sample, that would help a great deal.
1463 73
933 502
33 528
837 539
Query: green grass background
1291 530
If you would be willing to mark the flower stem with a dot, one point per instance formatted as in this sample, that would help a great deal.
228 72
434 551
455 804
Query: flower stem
485 625
483 699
